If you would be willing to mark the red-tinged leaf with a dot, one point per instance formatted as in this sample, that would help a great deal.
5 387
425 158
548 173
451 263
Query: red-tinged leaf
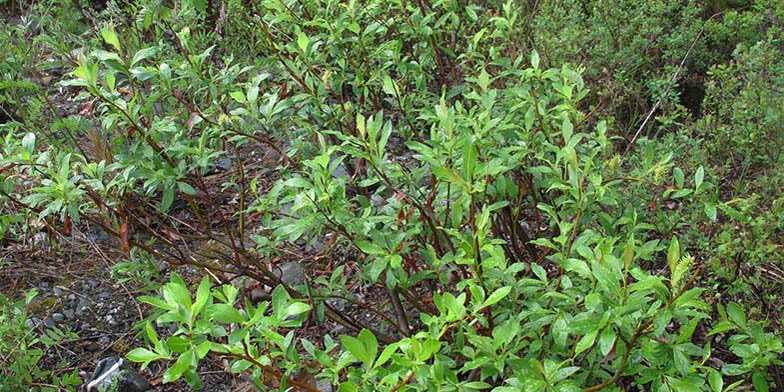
400 196
283 90
67 225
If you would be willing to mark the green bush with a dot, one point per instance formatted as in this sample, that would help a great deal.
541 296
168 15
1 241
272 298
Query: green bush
442 158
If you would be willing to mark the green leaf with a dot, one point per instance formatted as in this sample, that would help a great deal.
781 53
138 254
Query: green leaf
710 211
476 385
606 341
238 96
186 188
225 313
355 347
585 342
175 293
673 255
143 54
759 381
678 174
110 36
370 248
535 59
152 336
175 372
296 308
303 41
497 295
202 295
469 160
203 349
389 86
371 346
722 326
483 80
698 176
736 314
28 142
142 355
167 199
157 302
715 380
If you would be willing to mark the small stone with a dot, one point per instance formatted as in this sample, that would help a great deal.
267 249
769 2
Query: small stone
72 297
290 273
49 322
259 294
82 306
324 387
92 347
69 314
58 291
32 322
224 163
116 370
58 317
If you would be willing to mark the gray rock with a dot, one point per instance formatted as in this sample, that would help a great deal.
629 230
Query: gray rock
324 387
114 371
58 317
259 294
97 234
71 297
58 291
32 322
49 322
69 314
92 347
82 306
224 163
291 273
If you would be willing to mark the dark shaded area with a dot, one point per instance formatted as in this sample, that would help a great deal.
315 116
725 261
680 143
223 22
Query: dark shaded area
692 93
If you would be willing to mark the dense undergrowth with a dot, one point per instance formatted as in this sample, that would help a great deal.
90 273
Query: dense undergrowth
543 196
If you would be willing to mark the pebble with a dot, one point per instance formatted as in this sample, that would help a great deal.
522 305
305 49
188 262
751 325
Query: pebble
291 273
324 387
82 306
32 322
92 347
49 322
58 317
69 314
258 294
58 291
72 297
